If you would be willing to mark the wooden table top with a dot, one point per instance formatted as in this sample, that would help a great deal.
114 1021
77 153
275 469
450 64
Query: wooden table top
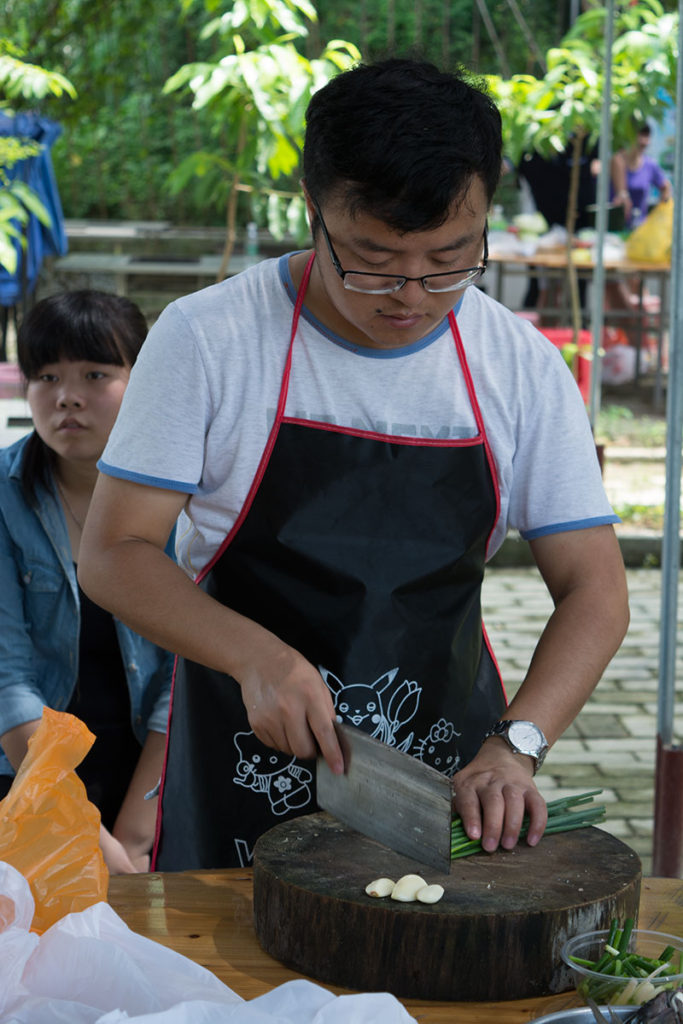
557 259
207 916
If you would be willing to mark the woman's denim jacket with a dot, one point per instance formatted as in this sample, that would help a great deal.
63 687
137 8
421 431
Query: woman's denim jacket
40 617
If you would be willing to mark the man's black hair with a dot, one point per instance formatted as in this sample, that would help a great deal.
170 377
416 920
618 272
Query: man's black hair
401 140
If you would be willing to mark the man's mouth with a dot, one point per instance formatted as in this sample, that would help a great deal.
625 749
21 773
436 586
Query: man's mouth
401 320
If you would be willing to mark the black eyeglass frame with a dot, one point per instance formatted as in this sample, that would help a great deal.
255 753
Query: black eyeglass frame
476 272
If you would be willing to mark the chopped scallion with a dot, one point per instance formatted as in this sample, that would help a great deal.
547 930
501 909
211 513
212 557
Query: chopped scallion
561 818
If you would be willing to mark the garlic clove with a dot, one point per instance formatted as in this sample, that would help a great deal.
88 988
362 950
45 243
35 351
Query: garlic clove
406 889
380 887
430 893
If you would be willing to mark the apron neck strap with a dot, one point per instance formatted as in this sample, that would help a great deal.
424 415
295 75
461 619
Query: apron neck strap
300 296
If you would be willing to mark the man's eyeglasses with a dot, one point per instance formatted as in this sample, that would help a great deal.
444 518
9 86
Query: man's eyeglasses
385 284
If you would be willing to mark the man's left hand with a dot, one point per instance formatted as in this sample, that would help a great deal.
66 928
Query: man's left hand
493 793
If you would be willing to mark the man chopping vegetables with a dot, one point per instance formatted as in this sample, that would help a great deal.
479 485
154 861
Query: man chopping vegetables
346 434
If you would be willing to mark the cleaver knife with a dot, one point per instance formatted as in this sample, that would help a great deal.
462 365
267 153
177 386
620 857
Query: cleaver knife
389 796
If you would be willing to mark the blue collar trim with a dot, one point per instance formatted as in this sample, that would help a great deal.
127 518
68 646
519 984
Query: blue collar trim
359 350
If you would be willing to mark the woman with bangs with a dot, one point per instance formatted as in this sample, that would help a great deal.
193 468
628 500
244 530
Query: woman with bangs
58 648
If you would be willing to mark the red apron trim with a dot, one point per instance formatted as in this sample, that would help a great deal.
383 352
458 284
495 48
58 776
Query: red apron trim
272 437
162 780
426 442
258 476
279 418
489 648
422 442
478 418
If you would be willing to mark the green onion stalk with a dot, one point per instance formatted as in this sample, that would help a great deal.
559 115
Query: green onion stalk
627 977
561 818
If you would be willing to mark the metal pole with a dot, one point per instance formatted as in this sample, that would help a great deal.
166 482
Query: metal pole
598 294
668 827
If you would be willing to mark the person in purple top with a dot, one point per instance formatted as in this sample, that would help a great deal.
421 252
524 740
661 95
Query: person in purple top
634 173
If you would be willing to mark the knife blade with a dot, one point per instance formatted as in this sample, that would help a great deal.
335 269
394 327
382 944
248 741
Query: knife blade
389 796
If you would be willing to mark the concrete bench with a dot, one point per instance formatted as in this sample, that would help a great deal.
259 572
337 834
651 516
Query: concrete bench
120 268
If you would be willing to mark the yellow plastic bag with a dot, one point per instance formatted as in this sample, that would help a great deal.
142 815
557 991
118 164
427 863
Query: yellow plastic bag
49 831
651 240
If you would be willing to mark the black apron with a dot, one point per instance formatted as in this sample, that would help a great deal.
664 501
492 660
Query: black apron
365 553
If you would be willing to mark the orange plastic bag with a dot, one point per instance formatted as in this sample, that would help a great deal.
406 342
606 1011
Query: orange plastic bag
49 831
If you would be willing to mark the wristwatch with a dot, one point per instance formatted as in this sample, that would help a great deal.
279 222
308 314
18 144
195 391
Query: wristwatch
523 738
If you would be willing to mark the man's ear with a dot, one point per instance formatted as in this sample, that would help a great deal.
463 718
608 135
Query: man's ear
310 209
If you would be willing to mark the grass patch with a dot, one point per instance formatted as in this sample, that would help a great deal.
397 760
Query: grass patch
617 424
645 517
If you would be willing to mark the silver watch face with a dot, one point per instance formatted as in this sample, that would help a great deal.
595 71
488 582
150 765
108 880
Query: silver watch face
527 737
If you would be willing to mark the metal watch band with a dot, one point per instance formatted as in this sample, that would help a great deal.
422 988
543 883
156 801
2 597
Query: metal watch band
502 729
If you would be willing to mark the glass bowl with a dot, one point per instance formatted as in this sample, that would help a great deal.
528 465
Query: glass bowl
623 989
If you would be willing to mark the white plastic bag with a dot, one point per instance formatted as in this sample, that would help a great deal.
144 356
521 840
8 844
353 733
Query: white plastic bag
90 968
619 364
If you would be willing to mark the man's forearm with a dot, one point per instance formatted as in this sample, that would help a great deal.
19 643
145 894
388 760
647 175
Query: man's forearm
575 648
583 633
123 568
145 589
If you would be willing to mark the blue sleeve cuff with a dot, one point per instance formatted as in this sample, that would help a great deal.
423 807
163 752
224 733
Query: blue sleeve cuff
576 524
19 705
149 481
158 720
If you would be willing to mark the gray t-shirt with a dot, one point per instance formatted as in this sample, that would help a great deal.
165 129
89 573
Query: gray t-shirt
202 397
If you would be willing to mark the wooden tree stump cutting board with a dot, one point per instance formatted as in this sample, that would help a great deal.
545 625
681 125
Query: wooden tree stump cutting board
496 933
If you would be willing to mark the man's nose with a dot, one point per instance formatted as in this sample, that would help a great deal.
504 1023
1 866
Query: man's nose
411 294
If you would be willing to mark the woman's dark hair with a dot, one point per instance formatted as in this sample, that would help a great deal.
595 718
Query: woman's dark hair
85 325
402 140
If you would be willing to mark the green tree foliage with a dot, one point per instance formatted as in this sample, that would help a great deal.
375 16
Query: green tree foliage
565 105
255 90
21 82
123 136
543 113
447 33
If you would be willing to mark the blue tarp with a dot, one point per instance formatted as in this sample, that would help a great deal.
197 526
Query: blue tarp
38 173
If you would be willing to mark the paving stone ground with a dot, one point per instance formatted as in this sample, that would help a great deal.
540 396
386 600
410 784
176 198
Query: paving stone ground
612 743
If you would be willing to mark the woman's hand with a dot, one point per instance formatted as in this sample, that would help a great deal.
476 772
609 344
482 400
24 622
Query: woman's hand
115 855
